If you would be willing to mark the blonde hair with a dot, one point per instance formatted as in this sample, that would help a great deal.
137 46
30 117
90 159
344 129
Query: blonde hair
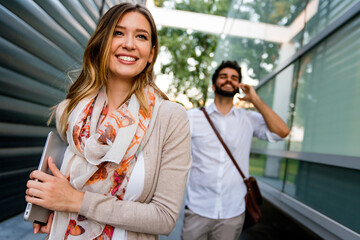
95 62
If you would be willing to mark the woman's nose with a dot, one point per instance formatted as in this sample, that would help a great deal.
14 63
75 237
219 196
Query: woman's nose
129 43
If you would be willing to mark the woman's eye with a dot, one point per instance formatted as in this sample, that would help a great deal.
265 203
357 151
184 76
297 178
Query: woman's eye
118 33
142 37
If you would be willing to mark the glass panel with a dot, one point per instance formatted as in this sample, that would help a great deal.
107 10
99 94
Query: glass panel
327 113
264 169
326 12
266 93
277 12
257 58
277 93
219 8
333 191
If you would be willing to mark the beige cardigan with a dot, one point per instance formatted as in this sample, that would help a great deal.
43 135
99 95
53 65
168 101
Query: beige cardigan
167 161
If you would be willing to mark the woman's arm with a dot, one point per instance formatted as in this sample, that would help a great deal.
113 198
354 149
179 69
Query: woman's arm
159 215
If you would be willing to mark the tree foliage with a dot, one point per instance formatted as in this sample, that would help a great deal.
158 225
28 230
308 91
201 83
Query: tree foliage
190 62
192 53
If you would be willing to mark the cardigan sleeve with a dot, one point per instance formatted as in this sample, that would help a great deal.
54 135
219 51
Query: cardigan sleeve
160 213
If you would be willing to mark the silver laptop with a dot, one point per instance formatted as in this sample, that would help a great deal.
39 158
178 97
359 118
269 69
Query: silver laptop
54 147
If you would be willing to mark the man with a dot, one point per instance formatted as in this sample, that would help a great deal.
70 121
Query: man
215 206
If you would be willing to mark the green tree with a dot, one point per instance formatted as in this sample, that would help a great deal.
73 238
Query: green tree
190 64
192 53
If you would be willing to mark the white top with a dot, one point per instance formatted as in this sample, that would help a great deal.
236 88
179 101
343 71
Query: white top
215 188
136 182
133 190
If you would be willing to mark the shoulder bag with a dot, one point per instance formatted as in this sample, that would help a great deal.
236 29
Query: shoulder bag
253 198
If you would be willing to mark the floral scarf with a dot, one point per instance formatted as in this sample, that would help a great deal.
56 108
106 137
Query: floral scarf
102 152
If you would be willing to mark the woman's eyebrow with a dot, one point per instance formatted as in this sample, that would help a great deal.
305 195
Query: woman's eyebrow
137 30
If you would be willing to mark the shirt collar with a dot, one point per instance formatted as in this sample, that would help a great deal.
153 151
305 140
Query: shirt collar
212 108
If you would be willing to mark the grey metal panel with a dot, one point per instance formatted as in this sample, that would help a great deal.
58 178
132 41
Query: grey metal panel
328 159
16 172
14 29
35 16
19 60
21 87
21 151
98 3
91 9
61 15
111 2
80 14
18 111
12 159
21 130
36 50
106 8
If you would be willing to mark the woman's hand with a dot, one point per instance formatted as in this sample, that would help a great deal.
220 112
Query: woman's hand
53 192
44 229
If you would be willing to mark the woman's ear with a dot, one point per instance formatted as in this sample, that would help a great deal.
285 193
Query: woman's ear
151 56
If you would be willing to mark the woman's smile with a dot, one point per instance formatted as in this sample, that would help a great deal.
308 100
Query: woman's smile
126 59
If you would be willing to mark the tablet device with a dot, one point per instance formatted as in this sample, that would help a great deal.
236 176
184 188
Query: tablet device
54 147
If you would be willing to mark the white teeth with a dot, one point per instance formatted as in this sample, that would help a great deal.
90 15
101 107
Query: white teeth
126 58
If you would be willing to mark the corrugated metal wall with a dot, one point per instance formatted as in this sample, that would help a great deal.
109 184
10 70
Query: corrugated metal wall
40 42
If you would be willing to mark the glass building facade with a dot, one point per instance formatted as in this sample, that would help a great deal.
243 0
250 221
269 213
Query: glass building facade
304 58
312 80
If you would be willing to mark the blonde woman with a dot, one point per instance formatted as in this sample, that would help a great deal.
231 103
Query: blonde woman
125 169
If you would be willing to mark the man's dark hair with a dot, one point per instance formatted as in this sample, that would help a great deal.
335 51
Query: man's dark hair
227 64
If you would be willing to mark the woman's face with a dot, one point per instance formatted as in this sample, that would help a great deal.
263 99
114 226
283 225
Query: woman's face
131 47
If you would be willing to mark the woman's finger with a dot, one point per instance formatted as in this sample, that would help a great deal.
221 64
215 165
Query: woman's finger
36 227
40 176
33 192
33 184
55 171
47 227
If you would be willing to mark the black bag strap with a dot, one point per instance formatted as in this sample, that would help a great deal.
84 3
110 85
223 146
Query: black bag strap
223 143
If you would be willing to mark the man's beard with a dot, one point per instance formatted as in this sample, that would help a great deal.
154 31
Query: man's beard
223 93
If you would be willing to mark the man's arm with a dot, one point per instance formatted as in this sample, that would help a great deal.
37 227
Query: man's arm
273 121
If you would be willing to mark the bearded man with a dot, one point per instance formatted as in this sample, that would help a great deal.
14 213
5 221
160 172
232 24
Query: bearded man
215 204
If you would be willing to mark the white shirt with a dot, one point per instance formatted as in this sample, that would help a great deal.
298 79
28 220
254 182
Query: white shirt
215 188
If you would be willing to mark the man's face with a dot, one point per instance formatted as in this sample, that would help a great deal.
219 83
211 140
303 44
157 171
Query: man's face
227 83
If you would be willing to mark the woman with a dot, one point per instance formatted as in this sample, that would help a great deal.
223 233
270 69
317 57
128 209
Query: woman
125 169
